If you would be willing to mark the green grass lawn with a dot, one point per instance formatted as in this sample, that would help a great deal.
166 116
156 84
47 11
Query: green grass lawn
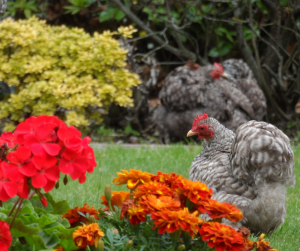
176 158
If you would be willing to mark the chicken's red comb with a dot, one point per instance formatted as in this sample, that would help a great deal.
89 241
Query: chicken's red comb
219 66
199 118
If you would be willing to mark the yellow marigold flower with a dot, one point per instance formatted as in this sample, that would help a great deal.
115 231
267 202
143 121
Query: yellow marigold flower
133 178
263 245
172 221
153 203
216 209
116 199
87 235
221 237
154 188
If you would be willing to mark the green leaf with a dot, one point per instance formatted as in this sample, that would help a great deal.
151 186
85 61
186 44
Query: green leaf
119 15
27 13
50 240
107 14
284 2
60 207
223 49
44 221
20 229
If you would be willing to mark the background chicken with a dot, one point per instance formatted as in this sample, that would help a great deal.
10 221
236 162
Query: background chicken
229 97
250 169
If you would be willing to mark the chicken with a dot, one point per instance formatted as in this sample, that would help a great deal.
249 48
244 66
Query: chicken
250 168
237 71
193 89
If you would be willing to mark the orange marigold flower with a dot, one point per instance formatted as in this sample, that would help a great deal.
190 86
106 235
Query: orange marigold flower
153 204
221 237
116 199
263 245
168 179
172 221
87 235
216 209
133 178
73 216
154 188
194 191
59 249
248 244
136 214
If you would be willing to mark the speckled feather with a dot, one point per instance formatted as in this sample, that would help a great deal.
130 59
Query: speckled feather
250 169
243 79
187 91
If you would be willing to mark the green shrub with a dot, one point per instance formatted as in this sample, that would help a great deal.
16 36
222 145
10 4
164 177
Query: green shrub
61 71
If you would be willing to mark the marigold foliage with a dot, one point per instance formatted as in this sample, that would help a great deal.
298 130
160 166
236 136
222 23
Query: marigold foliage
54 66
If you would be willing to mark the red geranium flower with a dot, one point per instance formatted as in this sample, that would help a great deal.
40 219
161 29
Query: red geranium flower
9 138
73 163
41 142
5 236
8 189
23 188
71 138
47 172
19 165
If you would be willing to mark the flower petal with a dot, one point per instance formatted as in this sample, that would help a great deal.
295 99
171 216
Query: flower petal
51 148
38 180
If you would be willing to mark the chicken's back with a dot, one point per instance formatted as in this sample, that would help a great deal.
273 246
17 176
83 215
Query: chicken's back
262 151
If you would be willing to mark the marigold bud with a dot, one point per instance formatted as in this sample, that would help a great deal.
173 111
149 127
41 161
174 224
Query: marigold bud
115 231
181 247
92 219
107 192
129 244
100 245
65 180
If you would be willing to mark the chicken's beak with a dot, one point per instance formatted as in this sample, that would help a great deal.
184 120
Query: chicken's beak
224 75
191 133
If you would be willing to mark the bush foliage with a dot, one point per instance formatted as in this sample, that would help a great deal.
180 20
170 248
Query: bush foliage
61 71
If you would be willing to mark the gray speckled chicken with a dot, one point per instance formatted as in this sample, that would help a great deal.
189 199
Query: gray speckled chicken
250 168
226 96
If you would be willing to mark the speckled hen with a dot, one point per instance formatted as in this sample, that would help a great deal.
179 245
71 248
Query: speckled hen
227 96
250 168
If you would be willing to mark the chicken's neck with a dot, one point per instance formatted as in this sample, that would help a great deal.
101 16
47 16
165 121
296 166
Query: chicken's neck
222 140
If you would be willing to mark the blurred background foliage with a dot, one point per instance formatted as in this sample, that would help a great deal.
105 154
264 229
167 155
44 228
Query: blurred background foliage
265 33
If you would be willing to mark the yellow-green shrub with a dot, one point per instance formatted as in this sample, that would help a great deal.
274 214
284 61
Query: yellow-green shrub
55 67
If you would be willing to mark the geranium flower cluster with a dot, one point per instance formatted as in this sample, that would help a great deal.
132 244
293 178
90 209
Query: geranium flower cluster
175 204
37 152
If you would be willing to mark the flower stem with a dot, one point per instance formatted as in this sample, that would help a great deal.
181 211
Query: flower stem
17 212
30 195
13 208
